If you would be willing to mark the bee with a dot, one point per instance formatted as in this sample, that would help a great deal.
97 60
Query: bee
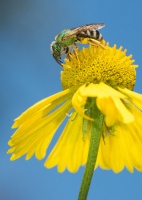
83 34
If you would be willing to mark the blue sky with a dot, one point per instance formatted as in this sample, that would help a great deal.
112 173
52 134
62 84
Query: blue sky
29 74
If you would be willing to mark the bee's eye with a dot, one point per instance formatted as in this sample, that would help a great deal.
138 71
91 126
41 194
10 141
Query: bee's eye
56 49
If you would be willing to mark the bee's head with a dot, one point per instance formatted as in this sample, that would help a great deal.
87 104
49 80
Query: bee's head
56 50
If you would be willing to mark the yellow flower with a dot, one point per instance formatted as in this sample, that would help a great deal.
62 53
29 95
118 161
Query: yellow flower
106 75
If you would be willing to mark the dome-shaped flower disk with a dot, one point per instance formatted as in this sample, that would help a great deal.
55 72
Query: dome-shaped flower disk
107 75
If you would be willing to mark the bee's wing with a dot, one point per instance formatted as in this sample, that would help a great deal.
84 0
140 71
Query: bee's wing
85 27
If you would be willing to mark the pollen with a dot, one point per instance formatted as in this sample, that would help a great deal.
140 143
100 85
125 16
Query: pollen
95 64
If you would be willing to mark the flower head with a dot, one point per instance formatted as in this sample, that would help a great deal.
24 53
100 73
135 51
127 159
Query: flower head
106 75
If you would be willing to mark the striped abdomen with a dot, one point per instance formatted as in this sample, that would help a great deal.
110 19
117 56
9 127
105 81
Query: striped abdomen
94 34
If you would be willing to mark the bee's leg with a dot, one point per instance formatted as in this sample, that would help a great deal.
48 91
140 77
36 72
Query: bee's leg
59 62
95 42
68 53
75 50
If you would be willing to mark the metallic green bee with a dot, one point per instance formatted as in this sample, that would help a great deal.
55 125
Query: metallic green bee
70 37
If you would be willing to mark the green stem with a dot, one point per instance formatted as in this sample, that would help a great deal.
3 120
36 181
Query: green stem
96 134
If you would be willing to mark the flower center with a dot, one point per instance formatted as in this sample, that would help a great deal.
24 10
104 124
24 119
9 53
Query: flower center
95 64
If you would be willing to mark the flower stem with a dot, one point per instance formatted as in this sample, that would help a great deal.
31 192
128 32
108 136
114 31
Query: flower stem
96 134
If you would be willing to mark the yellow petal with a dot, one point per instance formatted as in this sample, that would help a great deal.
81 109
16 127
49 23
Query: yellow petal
99 90
114 110
135 97
78 102
108 101
40 107
71 150
37 137
123 148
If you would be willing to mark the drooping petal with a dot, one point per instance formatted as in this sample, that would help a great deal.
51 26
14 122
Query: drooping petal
42 107
123 148
108 101
78 102
135 97
100 90
36 137
71 150
114 110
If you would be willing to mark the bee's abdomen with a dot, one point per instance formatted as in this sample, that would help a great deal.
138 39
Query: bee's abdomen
91 34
